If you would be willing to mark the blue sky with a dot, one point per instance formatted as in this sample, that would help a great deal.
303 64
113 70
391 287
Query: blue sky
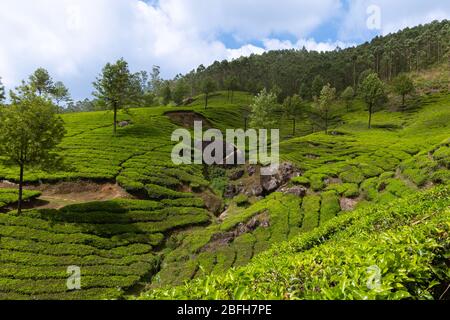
73 39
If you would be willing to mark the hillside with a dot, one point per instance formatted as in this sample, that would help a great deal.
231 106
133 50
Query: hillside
161 224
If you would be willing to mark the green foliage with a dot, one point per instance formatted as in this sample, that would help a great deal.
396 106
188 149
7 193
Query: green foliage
324 105
403 85
263 110
396 251
116 87
41 82
373 93
348 95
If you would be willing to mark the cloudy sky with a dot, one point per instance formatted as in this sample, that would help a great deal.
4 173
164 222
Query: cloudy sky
73 39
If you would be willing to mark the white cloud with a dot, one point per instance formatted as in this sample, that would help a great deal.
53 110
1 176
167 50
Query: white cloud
308 44
73 39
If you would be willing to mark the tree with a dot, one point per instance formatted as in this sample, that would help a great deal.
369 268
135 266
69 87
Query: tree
166 94
2 92
292 109
317 86
324 104
208 86
180 91
41 81
155 80
60 93
230 84
403 86
348 96
373 93
263 111
116 87
29 130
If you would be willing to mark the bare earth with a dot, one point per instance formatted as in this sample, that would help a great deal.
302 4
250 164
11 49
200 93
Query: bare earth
56 196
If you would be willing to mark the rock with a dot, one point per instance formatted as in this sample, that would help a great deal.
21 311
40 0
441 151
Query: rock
236 174
188 101
230 192
348 204
297 191
124 123
270 185
251 170
257 190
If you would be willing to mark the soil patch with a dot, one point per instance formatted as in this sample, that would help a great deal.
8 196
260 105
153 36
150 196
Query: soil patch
186 119
56 196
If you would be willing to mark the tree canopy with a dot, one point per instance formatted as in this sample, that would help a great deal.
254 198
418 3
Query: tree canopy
373 93
116 88
29 130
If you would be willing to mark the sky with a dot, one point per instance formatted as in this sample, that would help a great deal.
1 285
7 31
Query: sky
74 39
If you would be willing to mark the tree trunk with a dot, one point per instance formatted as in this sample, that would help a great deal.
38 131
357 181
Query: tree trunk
115 120
370 117
19 203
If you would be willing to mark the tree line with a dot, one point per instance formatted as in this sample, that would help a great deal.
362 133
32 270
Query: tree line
302 72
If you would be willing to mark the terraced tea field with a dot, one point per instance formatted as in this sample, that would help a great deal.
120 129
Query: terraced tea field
177 225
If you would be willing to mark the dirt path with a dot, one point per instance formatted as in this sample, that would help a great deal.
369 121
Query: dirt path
56 196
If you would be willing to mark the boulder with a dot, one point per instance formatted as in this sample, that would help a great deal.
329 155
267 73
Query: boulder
297 191
251 170
271 185
257 190
124 123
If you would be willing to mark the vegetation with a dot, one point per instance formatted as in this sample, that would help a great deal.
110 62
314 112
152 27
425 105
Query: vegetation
365 215
29 130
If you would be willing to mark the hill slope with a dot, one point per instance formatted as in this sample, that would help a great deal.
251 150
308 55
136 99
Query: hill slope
170 231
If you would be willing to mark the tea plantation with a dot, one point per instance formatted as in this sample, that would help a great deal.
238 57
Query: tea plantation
376 197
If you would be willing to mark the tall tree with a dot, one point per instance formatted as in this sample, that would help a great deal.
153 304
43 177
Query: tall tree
2 92
29 130
180 91
166 93
373 93
230 84
317 86
292 109
41 81
60 93
116 88
324 104
403 86
348 95
208 87
155 80
263 112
